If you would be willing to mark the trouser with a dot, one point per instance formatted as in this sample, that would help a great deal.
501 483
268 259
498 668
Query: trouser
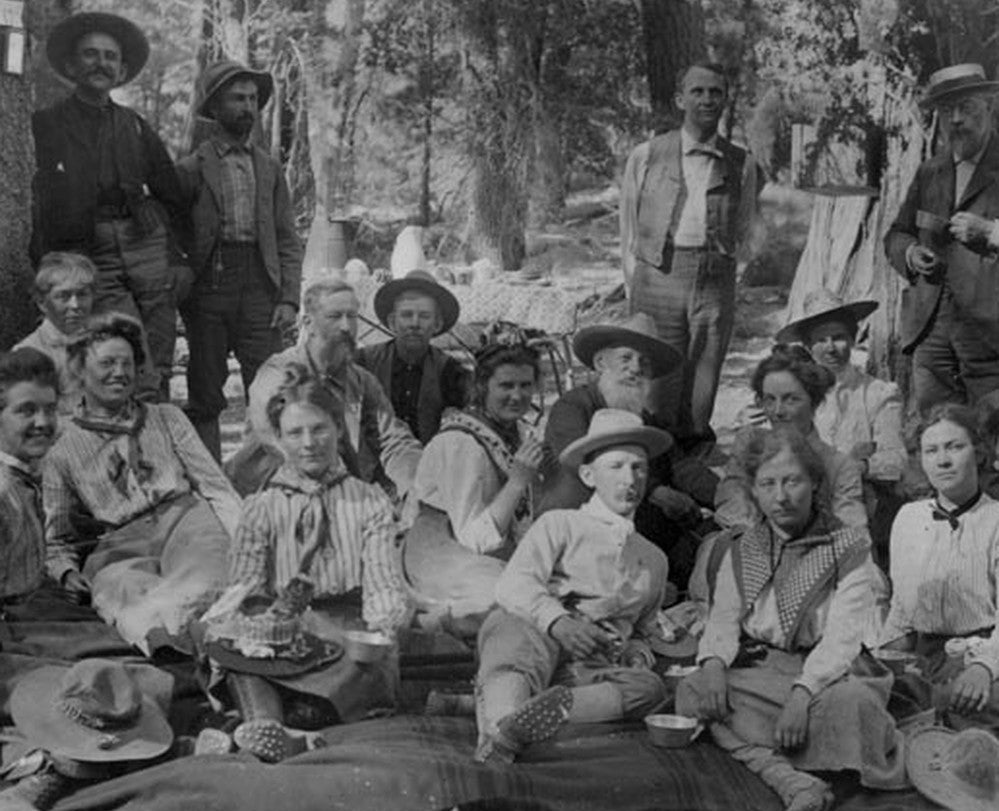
159 571
953 363
509 644
229 310
134 277
693 306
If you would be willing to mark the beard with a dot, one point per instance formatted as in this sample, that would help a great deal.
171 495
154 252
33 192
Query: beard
633 397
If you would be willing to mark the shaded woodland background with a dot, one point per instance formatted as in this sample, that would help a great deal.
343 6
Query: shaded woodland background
479 118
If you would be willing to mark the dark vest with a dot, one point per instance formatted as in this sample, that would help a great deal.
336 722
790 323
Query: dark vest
378 359
663 193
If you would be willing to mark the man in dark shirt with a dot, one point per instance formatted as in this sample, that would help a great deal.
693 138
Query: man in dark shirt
244 251
420 379
105 185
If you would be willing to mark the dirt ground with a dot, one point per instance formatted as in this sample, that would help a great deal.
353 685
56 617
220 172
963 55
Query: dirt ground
584 251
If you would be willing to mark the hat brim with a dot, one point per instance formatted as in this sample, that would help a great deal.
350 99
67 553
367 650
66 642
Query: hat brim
447 304
63 37
36 714
320 653
933 99
263 80
799 330
590 340
655 441
923 750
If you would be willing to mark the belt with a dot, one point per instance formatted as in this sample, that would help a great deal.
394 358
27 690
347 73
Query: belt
107 213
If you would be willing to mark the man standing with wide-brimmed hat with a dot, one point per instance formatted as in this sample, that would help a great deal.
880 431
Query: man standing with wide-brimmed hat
944 243
420 379
243 248
105 185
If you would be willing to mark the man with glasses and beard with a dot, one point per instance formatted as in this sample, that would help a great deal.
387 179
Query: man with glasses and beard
105 186
944 243
246 256
626 358
376 445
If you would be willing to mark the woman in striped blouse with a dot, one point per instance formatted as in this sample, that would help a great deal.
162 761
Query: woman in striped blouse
313 521
944 572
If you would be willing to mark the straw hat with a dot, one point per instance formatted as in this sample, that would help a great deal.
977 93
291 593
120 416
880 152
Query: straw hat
93 711
821 306
614 426
216 76
63 37
638 332
956 80
417 281
958 770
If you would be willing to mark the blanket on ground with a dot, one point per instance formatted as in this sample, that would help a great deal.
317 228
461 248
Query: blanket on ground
425 763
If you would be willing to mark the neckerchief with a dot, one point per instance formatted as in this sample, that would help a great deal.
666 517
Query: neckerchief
131 427
314 529
801 570
941 513
499 447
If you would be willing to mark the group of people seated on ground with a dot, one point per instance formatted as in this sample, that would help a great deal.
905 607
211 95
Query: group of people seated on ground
556 555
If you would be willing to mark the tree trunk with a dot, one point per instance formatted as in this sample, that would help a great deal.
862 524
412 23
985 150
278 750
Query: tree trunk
17 161
427 94
674 38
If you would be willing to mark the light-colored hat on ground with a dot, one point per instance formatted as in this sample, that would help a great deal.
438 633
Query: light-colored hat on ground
614 426
951 82
638 332
93 711
958 770
216 76
821 306
417 281
62 39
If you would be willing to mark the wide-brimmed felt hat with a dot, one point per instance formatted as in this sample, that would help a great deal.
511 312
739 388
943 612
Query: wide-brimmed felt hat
958 770
823 305
638 332
219 74
64 35
957 80
417 281
614 426
265 637
92 711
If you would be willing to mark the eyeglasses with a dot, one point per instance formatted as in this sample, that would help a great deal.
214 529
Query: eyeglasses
966 106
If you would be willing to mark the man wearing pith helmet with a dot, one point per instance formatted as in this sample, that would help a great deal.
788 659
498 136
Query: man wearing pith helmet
105 185
243 248
944 243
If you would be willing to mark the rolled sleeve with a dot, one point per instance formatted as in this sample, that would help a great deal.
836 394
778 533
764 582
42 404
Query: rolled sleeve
723 626
890 458
631 184
385 602
399 451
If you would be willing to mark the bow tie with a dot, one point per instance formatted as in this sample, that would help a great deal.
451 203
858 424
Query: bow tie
940 513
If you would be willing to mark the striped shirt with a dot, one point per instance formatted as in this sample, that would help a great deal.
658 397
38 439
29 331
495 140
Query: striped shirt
84 473
22 540
238 185
946 581
49 340
281 525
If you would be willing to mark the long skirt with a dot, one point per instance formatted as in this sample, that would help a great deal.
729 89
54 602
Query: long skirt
151 577
848 724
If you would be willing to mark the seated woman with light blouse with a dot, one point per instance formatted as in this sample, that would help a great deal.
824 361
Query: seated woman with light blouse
944 572
783 678
474 485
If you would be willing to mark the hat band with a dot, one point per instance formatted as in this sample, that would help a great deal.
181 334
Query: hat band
956 85
82 717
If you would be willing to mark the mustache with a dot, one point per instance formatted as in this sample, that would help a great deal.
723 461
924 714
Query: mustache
102 72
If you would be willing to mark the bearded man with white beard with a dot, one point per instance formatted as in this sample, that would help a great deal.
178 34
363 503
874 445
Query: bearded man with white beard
626 358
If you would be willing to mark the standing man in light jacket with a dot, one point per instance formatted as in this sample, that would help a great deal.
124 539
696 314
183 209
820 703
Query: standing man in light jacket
245 254
687 201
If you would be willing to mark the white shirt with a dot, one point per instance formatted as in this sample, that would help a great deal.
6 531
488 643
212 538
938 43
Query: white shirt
697 166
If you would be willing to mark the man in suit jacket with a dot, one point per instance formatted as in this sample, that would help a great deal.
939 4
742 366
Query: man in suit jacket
245 254
942 243
687 200
420 379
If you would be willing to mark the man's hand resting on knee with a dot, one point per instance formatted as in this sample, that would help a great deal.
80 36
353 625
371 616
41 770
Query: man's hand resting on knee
76 586
580 636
